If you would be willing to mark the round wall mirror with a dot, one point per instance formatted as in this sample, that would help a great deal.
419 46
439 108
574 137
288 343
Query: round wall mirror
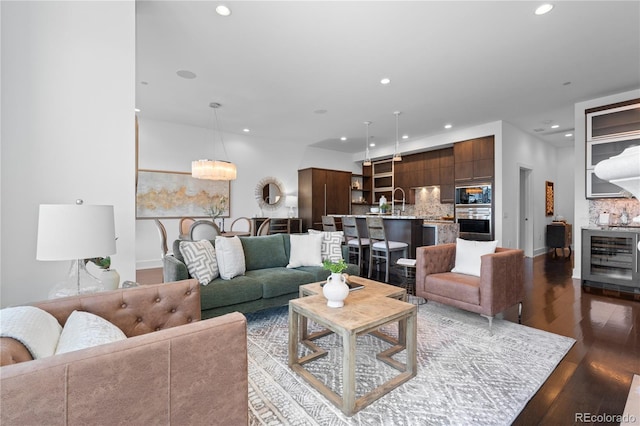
269 193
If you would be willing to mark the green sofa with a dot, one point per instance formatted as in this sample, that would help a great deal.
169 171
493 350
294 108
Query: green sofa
266 283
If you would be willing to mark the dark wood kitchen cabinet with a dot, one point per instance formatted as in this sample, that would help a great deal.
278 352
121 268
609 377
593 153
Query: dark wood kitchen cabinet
474 160
322 192
447 176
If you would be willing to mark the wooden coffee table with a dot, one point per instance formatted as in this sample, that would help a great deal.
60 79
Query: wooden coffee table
364 311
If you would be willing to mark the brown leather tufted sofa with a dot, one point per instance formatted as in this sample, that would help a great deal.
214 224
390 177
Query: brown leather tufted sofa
500 285
173 368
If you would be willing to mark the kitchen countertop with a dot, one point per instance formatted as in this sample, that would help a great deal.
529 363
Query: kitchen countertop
427 220
614 228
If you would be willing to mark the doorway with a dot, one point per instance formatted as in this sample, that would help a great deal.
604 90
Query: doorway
525 215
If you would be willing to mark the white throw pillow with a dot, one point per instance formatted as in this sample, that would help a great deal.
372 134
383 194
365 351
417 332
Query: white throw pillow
35 328
84 330
305 250
468 255
230 256
200 258
331 247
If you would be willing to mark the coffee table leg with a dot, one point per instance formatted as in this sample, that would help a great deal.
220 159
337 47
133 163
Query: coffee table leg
349 374
412 344
293 336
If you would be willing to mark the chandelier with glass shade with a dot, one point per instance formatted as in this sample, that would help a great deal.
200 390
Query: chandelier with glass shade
214 169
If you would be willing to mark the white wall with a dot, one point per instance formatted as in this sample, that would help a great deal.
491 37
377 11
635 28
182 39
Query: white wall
581 204
520 149
68 74
171 147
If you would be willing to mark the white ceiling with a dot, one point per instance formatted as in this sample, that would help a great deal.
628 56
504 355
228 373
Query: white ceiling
274 65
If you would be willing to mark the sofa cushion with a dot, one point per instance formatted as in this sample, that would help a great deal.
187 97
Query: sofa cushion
279 281
305 250
468 255
221 292
35 328
84 330
230 257
266 251
200 258
331 247
455 286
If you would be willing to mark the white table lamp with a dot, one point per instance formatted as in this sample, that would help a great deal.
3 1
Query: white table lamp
75 232
292 202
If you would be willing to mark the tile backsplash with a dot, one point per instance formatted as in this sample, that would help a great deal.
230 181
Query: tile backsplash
614 207
427 205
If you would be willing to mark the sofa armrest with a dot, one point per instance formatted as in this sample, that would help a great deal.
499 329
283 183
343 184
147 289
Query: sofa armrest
192 374
173 269
501 279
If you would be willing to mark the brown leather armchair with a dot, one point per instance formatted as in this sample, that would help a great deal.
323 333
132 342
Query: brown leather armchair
500 285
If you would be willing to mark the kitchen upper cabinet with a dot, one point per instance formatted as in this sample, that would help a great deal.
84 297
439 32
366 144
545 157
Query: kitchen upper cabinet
447 177
322 192
474 160
431 168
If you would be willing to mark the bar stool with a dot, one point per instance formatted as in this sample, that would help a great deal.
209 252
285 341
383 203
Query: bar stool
355 244
380 247
329 223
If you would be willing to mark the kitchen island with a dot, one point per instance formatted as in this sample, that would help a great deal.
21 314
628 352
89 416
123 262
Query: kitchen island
408 229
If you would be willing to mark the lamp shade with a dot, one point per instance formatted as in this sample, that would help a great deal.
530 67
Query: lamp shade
68 231
213 170
291 201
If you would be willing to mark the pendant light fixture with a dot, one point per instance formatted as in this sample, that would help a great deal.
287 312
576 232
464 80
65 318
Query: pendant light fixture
214 169
367 156
396 151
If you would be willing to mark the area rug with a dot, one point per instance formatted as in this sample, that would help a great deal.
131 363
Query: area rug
467 373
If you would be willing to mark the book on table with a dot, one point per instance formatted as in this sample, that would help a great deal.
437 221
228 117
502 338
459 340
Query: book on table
352 286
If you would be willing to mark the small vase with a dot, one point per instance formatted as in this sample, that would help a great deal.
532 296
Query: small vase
335 290
110 279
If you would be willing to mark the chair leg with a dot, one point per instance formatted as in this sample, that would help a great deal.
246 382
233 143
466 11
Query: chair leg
370 263
519 312
490 320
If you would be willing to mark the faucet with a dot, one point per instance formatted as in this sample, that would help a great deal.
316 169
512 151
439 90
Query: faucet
393 199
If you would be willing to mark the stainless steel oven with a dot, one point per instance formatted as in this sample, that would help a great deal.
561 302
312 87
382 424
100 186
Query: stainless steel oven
474 223
479 194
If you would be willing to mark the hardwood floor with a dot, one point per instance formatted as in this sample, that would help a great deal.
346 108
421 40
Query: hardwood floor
595 375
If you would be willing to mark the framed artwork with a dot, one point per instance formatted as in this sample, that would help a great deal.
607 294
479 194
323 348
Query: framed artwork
163 194
548 196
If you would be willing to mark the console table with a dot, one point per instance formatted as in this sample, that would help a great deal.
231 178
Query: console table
295 223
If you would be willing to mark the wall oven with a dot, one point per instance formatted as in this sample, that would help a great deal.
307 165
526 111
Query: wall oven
474 223
474 194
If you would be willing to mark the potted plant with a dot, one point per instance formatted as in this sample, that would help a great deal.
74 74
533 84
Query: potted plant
336 289
384 207
109 278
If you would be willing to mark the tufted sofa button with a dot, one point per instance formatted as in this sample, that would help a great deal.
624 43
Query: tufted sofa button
189 319
158 328
138 319
173 311
157 300
188 292
124 305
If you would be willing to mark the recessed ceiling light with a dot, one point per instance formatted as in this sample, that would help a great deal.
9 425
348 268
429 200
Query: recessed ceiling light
186 74
246 130
320 111
385 81
555 126
568 135
344 138
372 144
136 109
223 10
405 136
545 8
448 126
